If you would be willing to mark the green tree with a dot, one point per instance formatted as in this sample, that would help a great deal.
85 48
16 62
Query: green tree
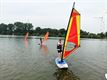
101 35
37 31
3 28
28 26
22 28
10 28
106 35
61 32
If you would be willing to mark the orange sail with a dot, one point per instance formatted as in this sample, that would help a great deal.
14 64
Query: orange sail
26 36
72 39
46 36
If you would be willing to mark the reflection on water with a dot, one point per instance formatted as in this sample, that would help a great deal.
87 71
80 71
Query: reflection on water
65 74
44 49
26 43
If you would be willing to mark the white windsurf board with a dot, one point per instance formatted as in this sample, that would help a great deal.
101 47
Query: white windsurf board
60 64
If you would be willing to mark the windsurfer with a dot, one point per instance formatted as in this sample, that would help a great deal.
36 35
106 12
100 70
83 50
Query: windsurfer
41 41
59 48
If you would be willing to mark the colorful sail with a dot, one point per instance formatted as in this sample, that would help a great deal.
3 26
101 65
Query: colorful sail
26 36
46 36
72 39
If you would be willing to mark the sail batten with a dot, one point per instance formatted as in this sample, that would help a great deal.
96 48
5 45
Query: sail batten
72 39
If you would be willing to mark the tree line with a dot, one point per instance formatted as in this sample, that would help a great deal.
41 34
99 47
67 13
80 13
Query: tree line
19 28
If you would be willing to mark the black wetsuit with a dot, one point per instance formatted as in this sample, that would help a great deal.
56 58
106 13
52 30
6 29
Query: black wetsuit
59 47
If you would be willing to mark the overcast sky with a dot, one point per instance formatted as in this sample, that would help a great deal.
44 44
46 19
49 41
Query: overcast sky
55 13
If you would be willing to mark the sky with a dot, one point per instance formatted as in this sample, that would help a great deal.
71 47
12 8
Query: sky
55 13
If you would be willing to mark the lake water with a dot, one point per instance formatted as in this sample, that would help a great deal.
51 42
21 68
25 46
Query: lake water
26 60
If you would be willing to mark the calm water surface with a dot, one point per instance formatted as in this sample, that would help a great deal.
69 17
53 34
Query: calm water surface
26 60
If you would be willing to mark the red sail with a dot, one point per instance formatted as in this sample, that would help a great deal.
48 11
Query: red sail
72 40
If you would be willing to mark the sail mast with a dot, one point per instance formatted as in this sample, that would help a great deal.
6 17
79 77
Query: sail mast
66 32
73 5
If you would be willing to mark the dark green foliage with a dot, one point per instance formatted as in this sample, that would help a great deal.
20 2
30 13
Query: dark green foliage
3 28
10 29
106 35
85 34
19 28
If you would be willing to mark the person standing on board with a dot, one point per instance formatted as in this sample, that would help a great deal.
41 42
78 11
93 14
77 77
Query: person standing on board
59 48
41 41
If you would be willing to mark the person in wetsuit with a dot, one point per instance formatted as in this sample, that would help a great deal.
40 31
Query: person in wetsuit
59 48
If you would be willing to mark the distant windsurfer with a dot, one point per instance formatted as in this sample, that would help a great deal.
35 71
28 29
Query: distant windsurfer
59 48
41 42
